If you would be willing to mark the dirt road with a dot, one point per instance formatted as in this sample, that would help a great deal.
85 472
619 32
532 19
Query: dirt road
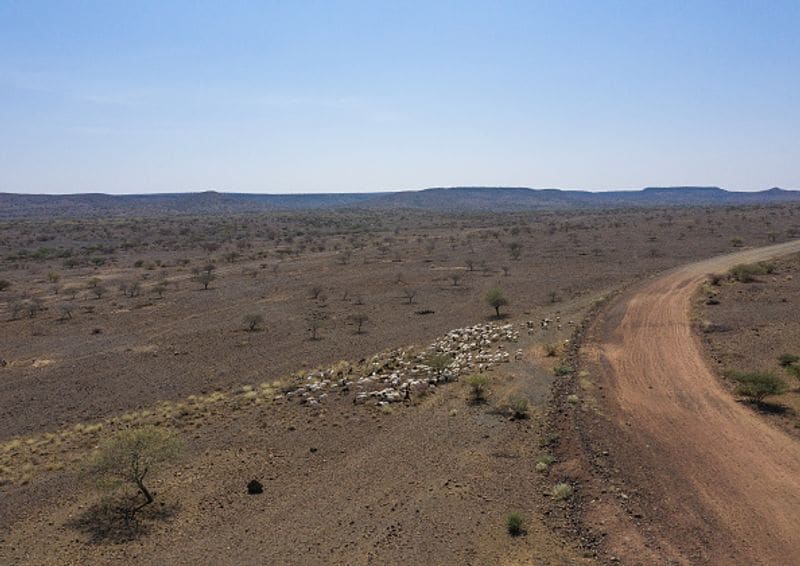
712 482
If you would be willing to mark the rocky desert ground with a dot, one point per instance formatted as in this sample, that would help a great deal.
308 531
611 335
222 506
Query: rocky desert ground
331 356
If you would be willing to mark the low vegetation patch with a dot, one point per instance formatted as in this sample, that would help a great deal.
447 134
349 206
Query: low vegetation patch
561 491
544 461
520 409
747 272
514 524
756 385
477 384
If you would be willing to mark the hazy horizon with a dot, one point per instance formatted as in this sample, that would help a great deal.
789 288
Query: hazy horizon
412 189
306 98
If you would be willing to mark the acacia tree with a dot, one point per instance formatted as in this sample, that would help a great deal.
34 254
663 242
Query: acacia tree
495 298
359 319
205 278
98 290
756 385
129 455
314 320
439 363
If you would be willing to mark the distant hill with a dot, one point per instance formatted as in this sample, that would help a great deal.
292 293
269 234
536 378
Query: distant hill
457 199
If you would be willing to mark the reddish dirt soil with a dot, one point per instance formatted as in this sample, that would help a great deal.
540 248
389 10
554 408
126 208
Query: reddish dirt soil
749 326
684 473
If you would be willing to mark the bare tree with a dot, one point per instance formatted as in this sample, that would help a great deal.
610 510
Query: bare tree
359 319
409 294
66 310
314 320
71 292
205 278
33 306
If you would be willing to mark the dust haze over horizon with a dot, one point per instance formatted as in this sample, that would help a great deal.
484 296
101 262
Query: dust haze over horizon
363 97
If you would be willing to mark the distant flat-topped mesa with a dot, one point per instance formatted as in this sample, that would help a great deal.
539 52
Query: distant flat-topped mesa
440 199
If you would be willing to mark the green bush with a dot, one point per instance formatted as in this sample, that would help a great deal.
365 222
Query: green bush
755 385
519 408
561 371
794 371
439 363
544 461
785 360
514 523
747 272
128 456
562 491
495 298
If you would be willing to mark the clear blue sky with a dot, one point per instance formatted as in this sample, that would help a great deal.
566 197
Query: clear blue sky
134 96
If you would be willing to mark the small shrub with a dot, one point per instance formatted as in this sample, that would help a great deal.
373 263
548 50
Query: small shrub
572 399
549 439
747 272
757 386
551 350
561 371
477 384
793 370
544 461
253 321
562 491
514 524
786 360
520 409
205 278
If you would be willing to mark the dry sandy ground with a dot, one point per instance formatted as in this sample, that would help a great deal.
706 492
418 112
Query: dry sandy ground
749 326
700 477
429 482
